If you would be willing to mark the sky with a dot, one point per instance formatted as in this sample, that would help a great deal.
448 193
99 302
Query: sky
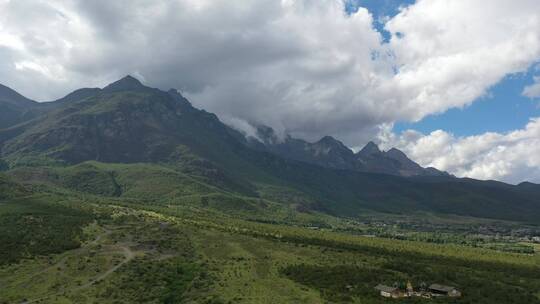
455 84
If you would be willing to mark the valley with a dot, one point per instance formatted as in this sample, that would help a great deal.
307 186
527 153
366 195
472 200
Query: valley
201 257
129 194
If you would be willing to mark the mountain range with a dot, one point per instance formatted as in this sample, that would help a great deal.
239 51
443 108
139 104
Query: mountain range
129 123
331 153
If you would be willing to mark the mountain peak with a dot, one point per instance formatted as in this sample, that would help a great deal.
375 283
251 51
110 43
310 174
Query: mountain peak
396 154
331 146
370 148
267 135
127 83
329 140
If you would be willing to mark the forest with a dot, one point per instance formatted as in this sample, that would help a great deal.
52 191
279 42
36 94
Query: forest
34 226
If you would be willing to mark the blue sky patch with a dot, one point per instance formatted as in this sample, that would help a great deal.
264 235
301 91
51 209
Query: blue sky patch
380 9
503 109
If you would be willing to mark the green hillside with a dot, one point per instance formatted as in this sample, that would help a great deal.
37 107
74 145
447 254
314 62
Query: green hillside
175 150
99 250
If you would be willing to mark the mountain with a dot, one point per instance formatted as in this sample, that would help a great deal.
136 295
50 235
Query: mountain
132 124
393 162
370 149
126 122
75 95
65 140
9 189
14 108
327 152
331 153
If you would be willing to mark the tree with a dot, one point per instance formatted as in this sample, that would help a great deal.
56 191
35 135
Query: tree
204 201
3 165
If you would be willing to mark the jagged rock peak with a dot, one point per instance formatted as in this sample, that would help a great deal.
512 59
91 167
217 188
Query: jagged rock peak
178 97
330 141
396 154
125 84
370 148
266 135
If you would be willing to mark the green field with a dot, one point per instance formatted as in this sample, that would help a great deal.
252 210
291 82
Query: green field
122 234
138 256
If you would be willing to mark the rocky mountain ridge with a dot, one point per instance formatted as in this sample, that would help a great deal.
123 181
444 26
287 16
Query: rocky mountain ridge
332 153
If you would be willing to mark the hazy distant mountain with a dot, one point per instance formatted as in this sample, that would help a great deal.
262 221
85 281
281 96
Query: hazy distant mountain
331 153
127 122
393 161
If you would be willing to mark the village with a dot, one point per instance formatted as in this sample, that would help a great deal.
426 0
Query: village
431 291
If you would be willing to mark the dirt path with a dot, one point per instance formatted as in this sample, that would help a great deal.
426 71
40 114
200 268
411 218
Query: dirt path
62 261
128 256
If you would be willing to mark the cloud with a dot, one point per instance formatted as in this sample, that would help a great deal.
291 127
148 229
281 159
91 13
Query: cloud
533 91
512 157
303 67
450 52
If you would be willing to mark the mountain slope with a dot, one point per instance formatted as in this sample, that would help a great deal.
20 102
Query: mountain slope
10 189
127 122
14 108
327 152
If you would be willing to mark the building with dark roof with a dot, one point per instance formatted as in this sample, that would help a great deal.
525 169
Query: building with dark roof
443 290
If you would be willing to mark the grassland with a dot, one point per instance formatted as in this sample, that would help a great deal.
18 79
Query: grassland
120 234
167 259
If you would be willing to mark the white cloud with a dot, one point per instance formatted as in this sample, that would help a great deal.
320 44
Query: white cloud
450 52
512 157
533 90
301 66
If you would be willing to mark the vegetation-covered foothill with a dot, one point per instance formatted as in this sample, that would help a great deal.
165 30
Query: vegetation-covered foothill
33 226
